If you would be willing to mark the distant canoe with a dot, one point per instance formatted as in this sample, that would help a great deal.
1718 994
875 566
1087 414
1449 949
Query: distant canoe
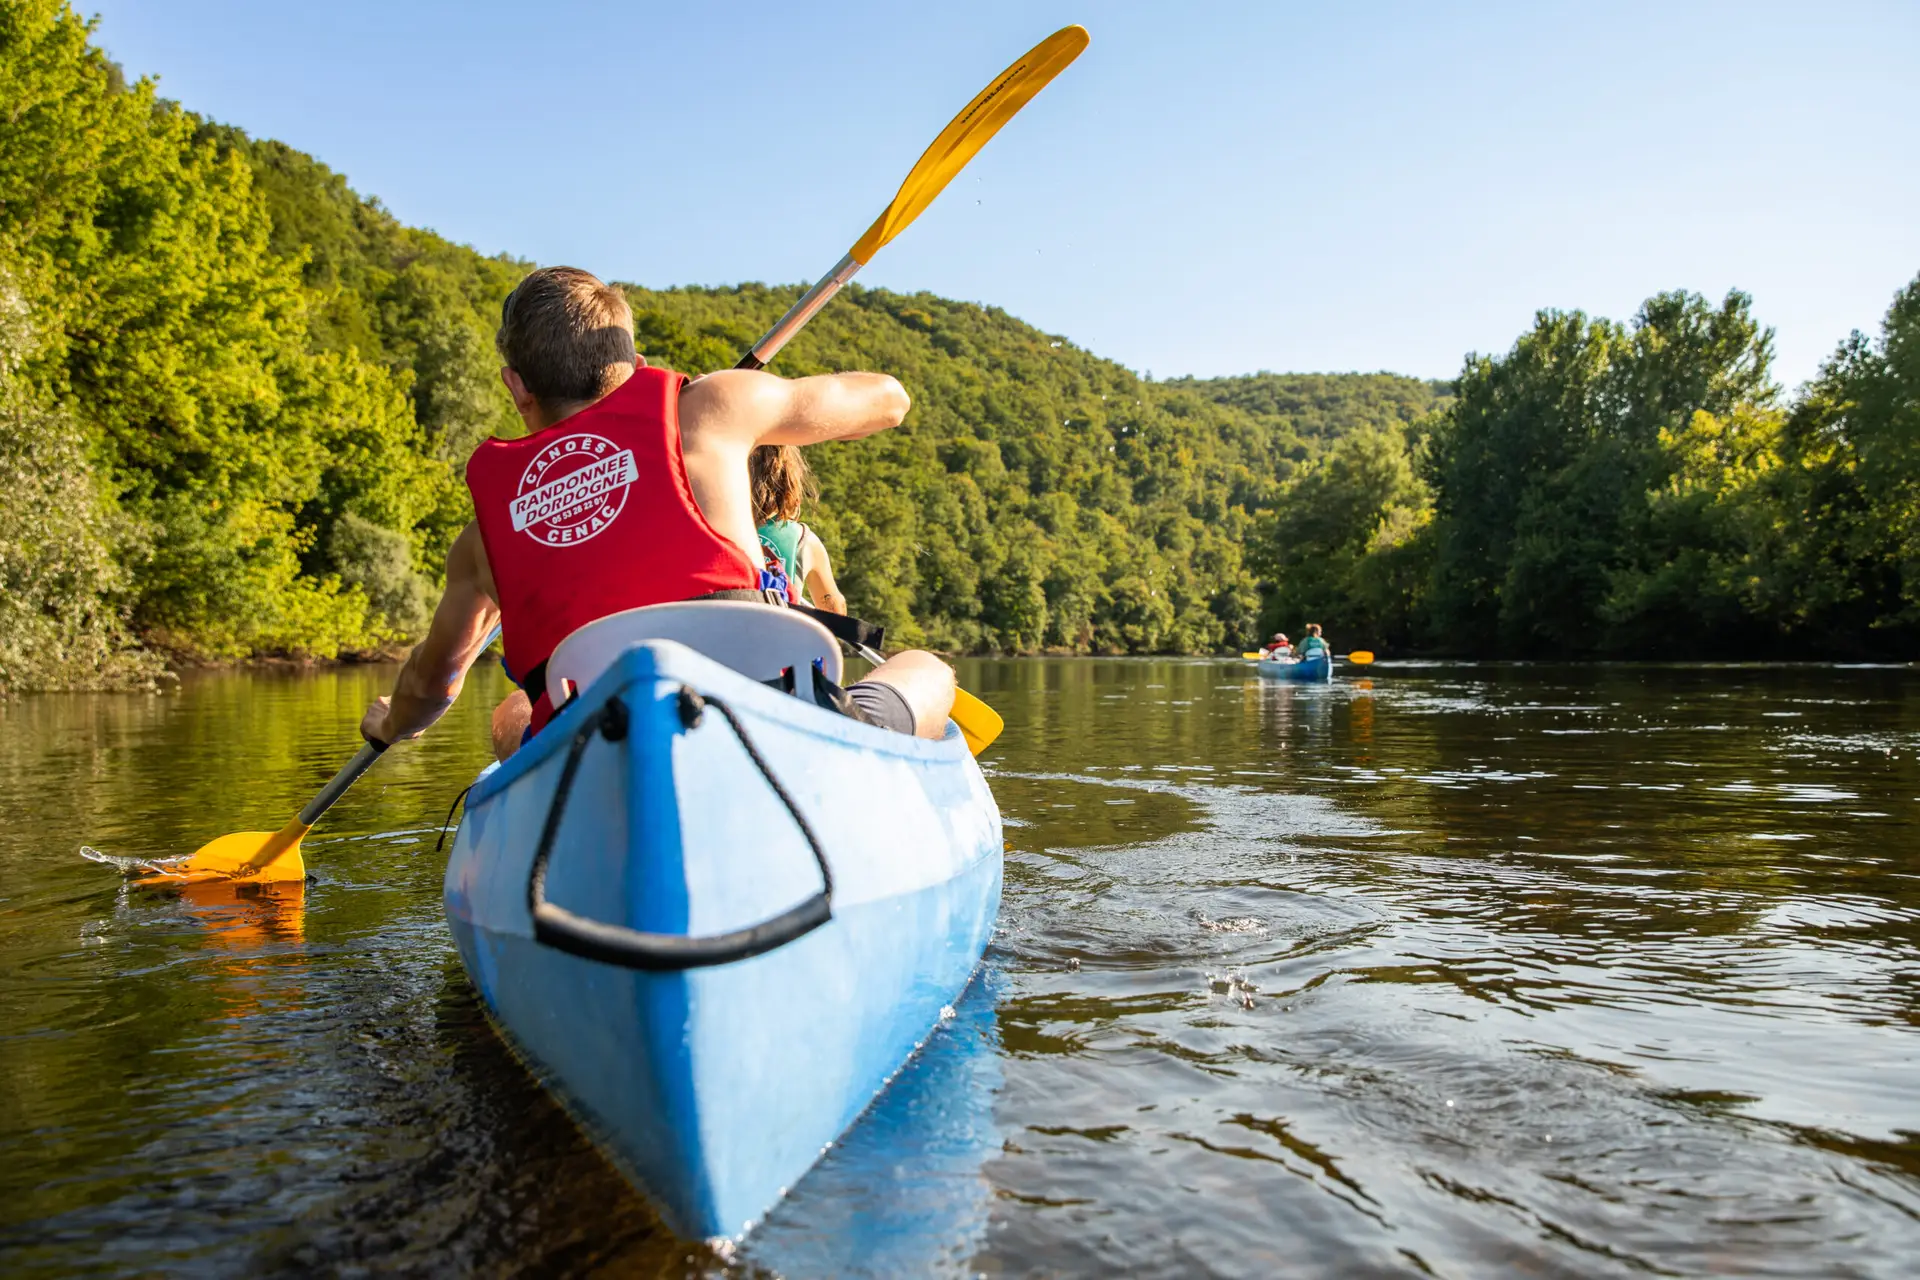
1317 670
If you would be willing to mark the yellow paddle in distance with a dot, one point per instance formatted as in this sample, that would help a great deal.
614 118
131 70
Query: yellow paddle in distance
263 857
1359 657
958 143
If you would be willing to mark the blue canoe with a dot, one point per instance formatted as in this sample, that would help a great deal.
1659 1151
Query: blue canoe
1317 670
716 920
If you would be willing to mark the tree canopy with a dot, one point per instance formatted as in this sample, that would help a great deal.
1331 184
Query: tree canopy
236 398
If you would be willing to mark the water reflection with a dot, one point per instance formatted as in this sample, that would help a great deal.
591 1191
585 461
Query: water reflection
1590 1012
905 1193
1556 970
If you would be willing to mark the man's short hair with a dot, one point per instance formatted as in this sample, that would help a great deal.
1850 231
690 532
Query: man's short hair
567 335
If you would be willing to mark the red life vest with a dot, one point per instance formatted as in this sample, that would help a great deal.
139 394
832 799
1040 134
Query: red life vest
594 515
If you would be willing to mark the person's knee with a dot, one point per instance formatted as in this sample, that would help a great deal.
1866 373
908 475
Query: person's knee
510 721
926 683
920 665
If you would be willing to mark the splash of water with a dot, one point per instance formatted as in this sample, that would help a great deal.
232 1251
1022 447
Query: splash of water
136 866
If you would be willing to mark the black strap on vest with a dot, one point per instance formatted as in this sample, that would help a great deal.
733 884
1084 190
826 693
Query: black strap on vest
852 631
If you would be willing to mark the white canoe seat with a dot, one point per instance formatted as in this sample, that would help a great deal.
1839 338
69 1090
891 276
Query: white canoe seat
757 640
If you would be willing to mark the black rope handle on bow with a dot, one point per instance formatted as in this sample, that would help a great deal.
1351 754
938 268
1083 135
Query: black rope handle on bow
657 952
447 826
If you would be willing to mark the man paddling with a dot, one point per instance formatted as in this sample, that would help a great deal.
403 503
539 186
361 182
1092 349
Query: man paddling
629 489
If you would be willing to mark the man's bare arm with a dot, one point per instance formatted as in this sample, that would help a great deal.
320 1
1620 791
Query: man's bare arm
759 408
437 667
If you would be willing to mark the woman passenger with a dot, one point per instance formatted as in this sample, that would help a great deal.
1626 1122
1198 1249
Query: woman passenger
781 484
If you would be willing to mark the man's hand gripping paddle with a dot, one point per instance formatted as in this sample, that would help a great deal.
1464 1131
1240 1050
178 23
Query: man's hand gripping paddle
958 143
260 857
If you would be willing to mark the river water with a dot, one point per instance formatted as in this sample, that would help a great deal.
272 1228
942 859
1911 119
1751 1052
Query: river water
1447 970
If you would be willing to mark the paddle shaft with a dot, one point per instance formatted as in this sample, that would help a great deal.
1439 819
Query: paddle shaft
362 761
798 314
289 836
336 787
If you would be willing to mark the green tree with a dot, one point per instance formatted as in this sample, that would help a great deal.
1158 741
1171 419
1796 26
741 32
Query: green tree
1542 466
64 587
1848 566
1341 545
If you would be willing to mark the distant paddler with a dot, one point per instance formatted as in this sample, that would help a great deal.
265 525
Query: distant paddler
1278 649
1312 646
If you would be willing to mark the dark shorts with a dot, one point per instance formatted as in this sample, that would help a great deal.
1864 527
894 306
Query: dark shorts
880 704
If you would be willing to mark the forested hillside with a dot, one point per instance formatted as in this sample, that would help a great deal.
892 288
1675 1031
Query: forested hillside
235 398
1320 407
1039 497
265 386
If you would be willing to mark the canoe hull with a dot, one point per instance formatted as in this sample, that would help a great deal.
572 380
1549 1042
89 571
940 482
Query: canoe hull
1305 671
715 1089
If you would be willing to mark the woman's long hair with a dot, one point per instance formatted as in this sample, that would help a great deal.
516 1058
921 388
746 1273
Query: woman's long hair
782 482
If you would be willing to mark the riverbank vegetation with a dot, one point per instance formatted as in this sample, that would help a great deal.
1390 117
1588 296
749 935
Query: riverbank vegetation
236 396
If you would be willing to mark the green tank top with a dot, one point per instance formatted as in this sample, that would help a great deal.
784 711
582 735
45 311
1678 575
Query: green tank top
784 537
1311 647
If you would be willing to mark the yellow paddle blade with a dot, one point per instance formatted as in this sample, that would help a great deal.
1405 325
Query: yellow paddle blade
979 723
1361 656
1254 656
998 103
273 856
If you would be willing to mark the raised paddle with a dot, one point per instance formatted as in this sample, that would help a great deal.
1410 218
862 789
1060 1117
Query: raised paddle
262 857
1360 657
958 143
996 104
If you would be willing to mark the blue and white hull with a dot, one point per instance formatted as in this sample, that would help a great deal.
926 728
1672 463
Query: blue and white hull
717 1087
1316 670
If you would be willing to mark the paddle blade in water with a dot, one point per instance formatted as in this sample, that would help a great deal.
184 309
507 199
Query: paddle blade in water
274 857
998 103
1361 656
979 723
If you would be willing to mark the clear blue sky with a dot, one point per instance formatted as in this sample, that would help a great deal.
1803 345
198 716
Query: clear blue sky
1211 189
